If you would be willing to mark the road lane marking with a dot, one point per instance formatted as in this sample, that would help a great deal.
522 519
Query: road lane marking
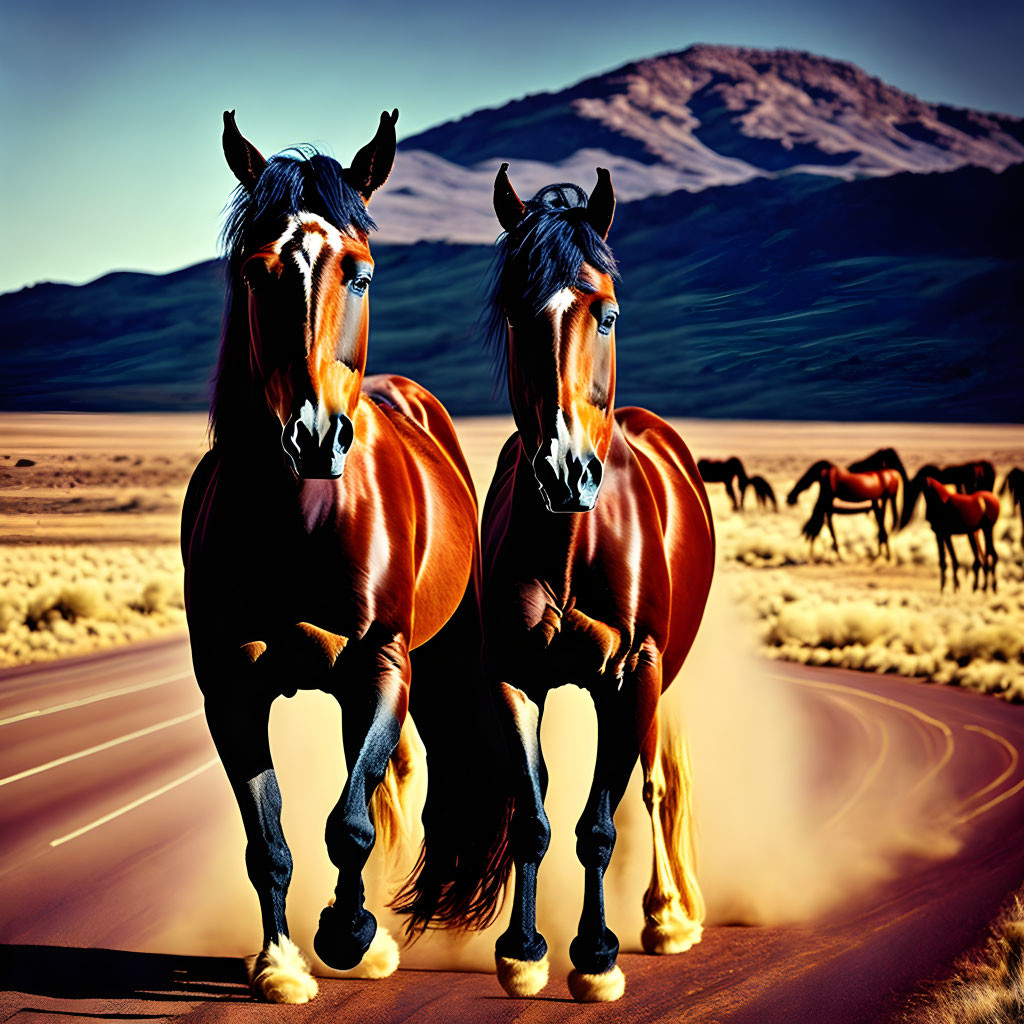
100 746
992 803
946 731
876 766
135 803
1011 749
106 695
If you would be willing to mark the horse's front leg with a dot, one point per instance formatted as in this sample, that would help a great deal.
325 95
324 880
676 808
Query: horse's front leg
521 954
239 727
832 530
624 715
374 698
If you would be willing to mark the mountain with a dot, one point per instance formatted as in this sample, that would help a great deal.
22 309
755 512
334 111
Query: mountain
800 297
708 116
797 240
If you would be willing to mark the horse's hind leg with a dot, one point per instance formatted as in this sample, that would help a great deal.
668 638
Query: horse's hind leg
991 557
521 953
883 538
673 905
280 973
972 539
373 709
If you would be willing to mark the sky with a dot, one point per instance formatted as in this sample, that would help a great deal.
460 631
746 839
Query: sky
110 113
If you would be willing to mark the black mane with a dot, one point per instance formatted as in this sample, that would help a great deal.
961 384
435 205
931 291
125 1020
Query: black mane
541 255
300 179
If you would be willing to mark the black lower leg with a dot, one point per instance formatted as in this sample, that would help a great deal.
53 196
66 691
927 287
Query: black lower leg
595 948
370 730
529 830
240 735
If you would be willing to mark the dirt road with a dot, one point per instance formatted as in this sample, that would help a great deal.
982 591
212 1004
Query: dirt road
112 807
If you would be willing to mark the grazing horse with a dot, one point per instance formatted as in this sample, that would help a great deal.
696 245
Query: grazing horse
842 492
598 555
329 531
1014 483
725 471
965 477
948 513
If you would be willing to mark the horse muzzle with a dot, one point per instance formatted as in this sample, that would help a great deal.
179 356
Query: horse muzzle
570 483
314 455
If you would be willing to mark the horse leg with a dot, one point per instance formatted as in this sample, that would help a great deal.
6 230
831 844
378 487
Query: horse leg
520 954
672 917
955 565
972 539
732 495
593 952
883 538
941 542
239 727
832 530
988 554
373 709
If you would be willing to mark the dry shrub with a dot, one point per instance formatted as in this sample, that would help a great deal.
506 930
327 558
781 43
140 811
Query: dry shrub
987 990
61 600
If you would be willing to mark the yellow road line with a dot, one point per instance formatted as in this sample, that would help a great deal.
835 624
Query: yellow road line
135 803
946 731
106 695
871 774
100 746
1014 758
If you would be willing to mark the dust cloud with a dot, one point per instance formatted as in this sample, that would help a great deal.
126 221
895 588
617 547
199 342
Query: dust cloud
804 802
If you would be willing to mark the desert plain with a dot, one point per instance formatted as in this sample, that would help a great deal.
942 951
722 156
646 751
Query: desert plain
90 507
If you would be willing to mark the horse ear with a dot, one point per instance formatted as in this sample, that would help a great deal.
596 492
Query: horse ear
507 205
601 204
371 166
244 159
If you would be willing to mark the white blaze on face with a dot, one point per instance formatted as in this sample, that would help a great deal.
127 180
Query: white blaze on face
569 436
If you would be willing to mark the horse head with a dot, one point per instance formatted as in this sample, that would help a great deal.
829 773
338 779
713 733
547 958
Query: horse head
919 485
297 239
554 309
814 475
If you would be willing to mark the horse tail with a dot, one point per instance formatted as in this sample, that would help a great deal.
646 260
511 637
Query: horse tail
813 526
763 491
678 849
460 877
389 805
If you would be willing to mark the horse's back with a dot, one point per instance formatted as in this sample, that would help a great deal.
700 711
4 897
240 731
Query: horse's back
420 406
686 522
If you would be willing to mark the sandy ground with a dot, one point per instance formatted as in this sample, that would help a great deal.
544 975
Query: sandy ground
88 543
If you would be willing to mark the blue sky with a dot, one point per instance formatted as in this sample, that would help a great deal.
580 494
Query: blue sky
110 112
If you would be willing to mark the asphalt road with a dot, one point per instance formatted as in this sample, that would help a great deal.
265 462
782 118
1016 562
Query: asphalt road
112 803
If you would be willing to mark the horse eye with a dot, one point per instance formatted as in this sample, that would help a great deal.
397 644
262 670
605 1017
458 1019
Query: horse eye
360 284
607 322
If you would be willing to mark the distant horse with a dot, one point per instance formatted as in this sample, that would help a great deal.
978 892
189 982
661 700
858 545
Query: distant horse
965 477
725 471
598 555
949 513
329 531
1014 483
842 492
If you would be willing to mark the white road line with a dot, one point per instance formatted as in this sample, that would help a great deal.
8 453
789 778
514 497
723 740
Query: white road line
106 695
100 746
135 803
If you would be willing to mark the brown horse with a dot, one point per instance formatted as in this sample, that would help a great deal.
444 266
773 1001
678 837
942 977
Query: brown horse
726 471
842 492
598 555
329 532
949 513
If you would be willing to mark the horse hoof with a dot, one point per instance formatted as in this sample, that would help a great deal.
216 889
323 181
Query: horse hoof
381 959
342 944
597 988
673 935
522 977
280 974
